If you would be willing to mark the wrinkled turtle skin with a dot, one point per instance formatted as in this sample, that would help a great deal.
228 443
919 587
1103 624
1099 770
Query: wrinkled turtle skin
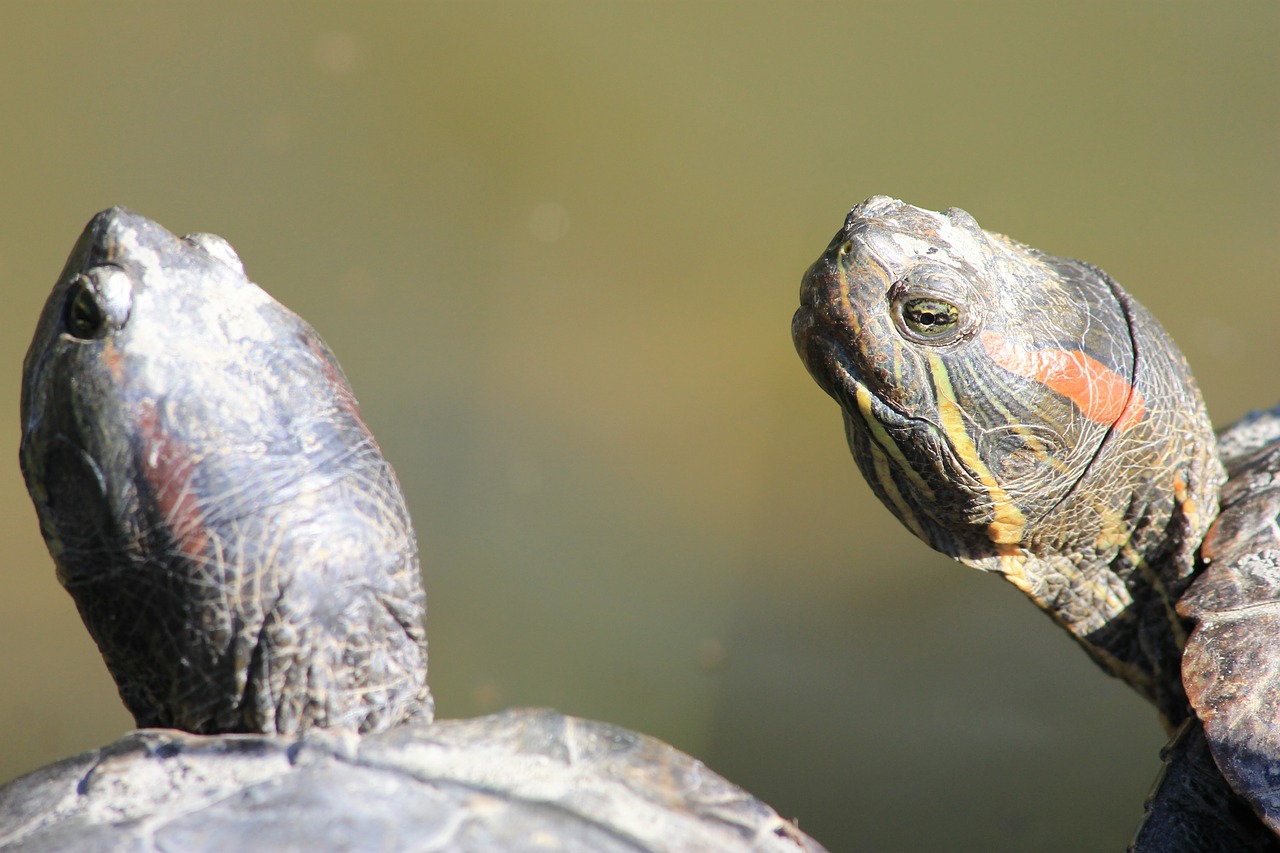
205 483
1023 414
241 552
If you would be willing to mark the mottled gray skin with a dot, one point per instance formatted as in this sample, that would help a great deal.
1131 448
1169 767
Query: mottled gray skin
231 534
979 439
241 552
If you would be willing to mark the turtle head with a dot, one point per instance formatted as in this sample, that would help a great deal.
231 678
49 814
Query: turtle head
1017 411
232 536
951 352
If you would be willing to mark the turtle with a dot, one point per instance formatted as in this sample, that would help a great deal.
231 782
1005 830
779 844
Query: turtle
1023 414
240 550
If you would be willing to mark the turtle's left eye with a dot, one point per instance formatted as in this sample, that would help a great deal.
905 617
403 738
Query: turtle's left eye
98 303
935 307
83 317
929 319
932 319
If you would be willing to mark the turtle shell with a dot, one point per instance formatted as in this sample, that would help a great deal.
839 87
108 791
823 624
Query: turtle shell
1219 774
1230 668
523 780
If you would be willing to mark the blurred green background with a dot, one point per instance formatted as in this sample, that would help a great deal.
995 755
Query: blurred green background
557 247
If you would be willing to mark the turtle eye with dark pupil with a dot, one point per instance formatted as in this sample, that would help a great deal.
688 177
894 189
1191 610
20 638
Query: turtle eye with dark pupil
84 317
930 318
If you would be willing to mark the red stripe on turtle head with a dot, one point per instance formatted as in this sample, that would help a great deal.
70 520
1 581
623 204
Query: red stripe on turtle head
1101 394
169 468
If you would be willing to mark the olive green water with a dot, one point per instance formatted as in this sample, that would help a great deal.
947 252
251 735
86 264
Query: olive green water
557 247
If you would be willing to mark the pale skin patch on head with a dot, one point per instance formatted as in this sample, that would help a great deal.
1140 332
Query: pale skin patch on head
911 246
1020 250
125 242
214 333
944 241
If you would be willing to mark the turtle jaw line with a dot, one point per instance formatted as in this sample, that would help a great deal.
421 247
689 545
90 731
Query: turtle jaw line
828 348
847 397
914 503
824 330
826 356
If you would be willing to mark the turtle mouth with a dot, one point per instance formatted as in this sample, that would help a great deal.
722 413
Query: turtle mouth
825 352
824 328
824 334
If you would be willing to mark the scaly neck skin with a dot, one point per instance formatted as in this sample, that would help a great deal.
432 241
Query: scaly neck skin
1110 562
1155 488
1123 616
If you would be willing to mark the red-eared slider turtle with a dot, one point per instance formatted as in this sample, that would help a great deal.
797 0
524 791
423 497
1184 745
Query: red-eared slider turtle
240 550
1023 414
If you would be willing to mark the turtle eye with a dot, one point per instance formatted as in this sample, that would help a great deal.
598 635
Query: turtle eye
98 304
83 317
935 307
931 319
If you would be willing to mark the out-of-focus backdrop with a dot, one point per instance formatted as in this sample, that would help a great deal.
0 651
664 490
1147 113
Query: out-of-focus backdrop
557 247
